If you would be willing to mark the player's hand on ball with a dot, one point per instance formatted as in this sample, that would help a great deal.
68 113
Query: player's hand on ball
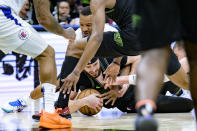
94 101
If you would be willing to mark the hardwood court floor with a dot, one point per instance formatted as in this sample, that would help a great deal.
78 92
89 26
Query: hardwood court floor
106 120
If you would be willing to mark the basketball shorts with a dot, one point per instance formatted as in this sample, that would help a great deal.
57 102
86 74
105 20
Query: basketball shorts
18 36
160 22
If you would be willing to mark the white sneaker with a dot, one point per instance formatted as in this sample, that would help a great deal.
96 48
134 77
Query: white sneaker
15 106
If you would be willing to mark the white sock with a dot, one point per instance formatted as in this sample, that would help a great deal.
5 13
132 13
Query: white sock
48 97
27 99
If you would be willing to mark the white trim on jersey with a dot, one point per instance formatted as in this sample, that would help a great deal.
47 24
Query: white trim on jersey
106 29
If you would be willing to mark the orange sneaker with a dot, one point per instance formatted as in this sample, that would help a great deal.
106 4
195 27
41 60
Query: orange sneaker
53 121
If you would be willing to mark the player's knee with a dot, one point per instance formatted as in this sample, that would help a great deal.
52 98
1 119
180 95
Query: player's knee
49 52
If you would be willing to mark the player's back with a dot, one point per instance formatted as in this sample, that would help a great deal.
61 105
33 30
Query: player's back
121 13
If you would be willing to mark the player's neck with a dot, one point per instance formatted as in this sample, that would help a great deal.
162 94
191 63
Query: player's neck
100 78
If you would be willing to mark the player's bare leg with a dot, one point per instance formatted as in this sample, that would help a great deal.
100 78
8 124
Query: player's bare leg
150 76
191 50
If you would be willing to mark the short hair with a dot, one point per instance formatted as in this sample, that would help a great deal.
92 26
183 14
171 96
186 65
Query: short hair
86 11
60 1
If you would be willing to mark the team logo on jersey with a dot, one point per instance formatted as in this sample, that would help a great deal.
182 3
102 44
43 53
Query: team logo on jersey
118 39
23 34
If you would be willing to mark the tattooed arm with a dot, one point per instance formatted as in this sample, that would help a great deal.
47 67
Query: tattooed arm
45 18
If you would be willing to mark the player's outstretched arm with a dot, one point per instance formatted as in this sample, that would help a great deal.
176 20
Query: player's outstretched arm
45 18
98 11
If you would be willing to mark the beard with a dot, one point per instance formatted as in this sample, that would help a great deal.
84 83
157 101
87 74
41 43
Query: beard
99 72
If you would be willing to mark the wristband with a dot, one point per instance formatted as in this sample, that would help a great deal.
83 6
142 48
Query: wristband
75 73
116 63
132 79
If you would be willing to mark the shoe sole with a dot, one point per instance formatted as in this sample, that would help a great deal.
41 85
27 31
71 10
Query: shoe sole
147 125
7 111
52 126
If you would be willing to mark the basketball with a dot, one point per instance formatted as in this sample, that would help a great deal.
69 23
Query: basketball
85 109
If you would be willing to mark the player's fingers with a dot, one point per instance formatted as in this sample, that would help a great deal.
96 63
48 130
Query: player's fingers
69 87
101 101
75 87
106 86
98 108
105 94
106 97
100 104
66 85
105 79
63 80
114 100
64 90
108 101
95 109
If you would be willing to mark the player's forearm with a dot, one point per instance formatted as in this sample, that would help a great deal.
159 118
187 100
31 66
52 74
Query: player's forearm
75 105
129 79
51 25
125 70
89 52
117 60
122 80
45 18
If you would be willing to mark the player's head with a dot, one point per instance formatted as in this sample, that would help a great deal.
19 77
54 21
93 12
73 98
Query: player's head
86 19
93 67
63 8
24 10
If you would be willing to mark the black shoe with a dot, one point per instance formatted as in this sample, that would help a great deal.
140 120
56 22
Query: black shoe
145 120
146 123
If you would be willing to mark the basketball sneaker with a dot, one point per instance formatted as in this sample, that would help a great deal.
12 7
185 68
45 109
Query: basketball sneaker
15 106
36 116
64 113
145 120
53 121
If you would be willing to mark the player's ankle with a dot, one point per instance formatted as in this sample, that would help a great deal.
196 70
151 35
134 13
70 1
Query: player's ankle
145 107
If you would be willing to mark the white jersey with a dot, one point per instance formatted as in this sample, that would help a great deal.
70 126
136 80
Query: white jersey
10 22
16 34
106 29
15 5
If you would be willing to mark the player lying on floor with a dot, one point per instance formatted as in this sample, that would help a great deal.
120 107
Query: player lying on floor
175 72
121 97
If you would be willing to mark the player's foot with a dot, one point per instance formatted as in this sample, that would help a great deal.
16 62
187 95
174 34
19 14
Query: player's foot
53 121
36 116
63 113
147 123
145 120
15 106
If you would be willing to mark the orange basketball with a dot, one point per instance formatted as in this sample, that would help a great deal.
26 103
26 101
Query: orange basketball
85 109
